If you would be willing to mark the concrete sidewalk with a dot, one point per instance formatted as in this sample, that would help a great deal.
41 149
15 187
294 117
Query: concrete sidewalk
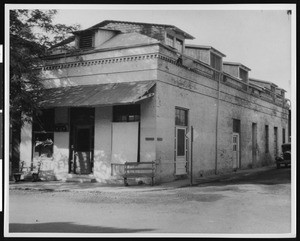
60 186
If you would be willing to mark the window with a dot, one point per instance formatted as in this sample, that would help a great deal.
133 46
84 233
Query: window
283 135
43 120
273 89
215 61
43 133
243 75
179 45
181 117
43 144
86 40
266 138
236 125
170 40
126 113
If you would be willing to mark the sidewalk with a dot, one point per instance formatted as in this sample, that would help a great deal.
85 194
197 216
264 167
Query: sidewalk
59 186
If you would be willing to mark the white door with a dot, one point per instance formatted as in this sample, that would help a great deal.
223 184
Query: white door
125 142
180 151
236 150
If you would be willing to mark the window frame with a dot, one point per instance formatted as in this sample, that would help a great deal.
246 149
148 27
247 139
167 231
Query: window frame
179 114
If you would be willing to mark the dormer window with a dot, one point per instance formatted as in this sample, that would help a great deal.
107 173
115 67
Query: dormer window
273 89
86 40
243 74
215 61
174 42
179 45
169 40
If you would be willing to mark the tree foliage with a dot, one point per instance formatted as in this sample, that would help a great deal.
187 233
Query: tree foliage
32 33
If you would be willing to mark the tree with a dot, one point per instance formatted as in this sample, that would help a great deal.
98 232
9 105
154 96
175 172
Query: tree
32 33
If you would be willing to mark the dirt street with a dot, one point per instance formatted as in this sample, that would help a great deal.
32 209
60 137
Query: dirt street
255 204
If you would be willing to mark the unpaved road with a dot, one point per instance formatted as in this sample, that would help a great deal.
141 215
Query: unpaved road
259 203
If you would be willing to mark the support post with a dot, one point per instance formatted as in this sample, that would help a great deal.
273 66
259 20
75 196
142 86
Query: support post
192 143
217 123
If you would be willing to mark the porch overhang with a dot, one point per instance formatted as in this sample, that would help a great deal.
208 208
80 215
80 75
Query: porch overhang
97 95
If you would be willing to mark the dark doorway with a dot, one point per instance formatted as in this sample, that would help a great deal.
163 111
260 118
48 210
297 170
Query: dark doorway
82 140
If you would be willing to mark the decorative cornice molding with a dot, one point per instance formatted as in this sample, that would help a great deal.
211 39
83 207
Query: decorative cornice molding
101 61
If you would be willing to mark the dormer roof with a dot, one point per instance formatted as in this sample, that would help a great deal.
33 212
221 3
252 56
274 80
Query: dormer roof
171 27
263 82
204 47
237 64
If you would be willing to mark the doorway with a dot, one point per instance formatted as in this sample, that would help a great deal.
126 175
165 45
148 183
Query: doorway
181 151
81 141
236 150
254 143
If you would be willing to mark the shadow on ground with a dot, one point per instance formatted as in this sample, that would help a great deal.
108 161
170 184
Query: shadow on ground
269 177
67 227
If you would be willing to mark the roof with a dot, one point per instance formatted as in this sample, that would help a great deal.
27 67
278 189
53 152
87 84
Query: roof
204 47
262 81
236 64
127 39
94 29
96 95
174 28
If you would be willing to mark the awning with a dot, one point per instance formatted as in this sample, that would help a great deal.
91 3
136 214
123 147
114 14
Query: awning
96 95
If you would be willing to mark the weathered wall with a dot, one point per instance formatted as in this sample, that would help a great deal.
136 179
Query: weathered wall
103 141
179 87
148 130
26 144
61 145
231 69
126 65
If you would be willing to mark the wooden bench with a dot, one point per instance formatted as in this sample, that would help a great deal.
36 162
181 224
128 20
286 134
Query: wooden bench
139 170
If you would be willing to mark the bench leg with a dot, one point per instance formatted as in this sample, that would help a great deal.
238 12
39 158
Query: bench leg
125 182
152 181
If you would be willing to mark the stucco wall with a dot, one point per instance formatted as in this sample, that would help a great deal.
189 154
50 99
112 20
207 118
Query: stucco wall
102 146
177 87
125 65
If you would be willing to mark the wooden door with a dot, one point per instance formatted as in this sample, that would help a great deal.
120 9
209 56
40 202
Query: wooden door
180 151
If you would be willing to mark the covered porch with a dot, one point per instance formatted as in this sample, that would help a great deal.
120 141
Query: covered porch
83 130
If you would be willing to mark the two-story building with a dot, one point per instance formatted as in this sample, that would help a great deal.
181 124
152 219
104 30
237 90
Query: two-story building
130 91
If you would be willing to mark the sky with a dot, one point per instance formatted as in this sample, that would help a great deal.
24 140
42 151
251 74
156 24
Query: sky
259 39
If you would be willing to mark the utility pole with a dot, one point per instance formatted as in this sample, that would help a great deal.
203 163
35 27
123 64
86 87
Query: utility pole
192 143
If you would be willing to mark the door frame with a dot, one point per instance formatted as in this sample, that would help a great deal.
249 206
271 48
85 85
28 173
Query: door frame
237 135
185 128
73 144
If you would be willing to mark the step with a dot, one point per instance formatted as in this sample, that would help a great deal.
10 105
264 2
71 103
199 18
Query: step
80 178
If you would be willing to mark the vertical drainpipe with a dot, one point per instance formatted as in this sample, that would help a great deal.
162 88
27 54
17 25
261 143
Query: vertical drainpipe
217 122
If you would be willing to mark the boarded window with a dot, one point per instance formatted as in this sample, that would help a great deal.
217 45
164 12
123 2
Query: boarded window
126 113
236 125
86 41
244 75
215 61
181 118
266 138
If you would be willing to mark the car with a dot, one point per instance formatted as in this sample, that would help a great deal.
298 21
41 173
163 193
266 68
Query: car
285 157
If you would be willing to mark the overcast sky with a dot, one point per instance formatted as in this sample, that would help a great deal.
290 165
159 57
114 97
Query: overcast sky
259 39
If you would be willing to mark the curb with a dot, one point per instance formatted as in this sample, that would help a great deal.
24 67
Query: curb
75 188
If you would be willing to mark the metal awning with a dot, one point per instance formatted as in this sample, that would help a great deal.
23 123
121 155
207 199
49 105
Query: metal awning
96 95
